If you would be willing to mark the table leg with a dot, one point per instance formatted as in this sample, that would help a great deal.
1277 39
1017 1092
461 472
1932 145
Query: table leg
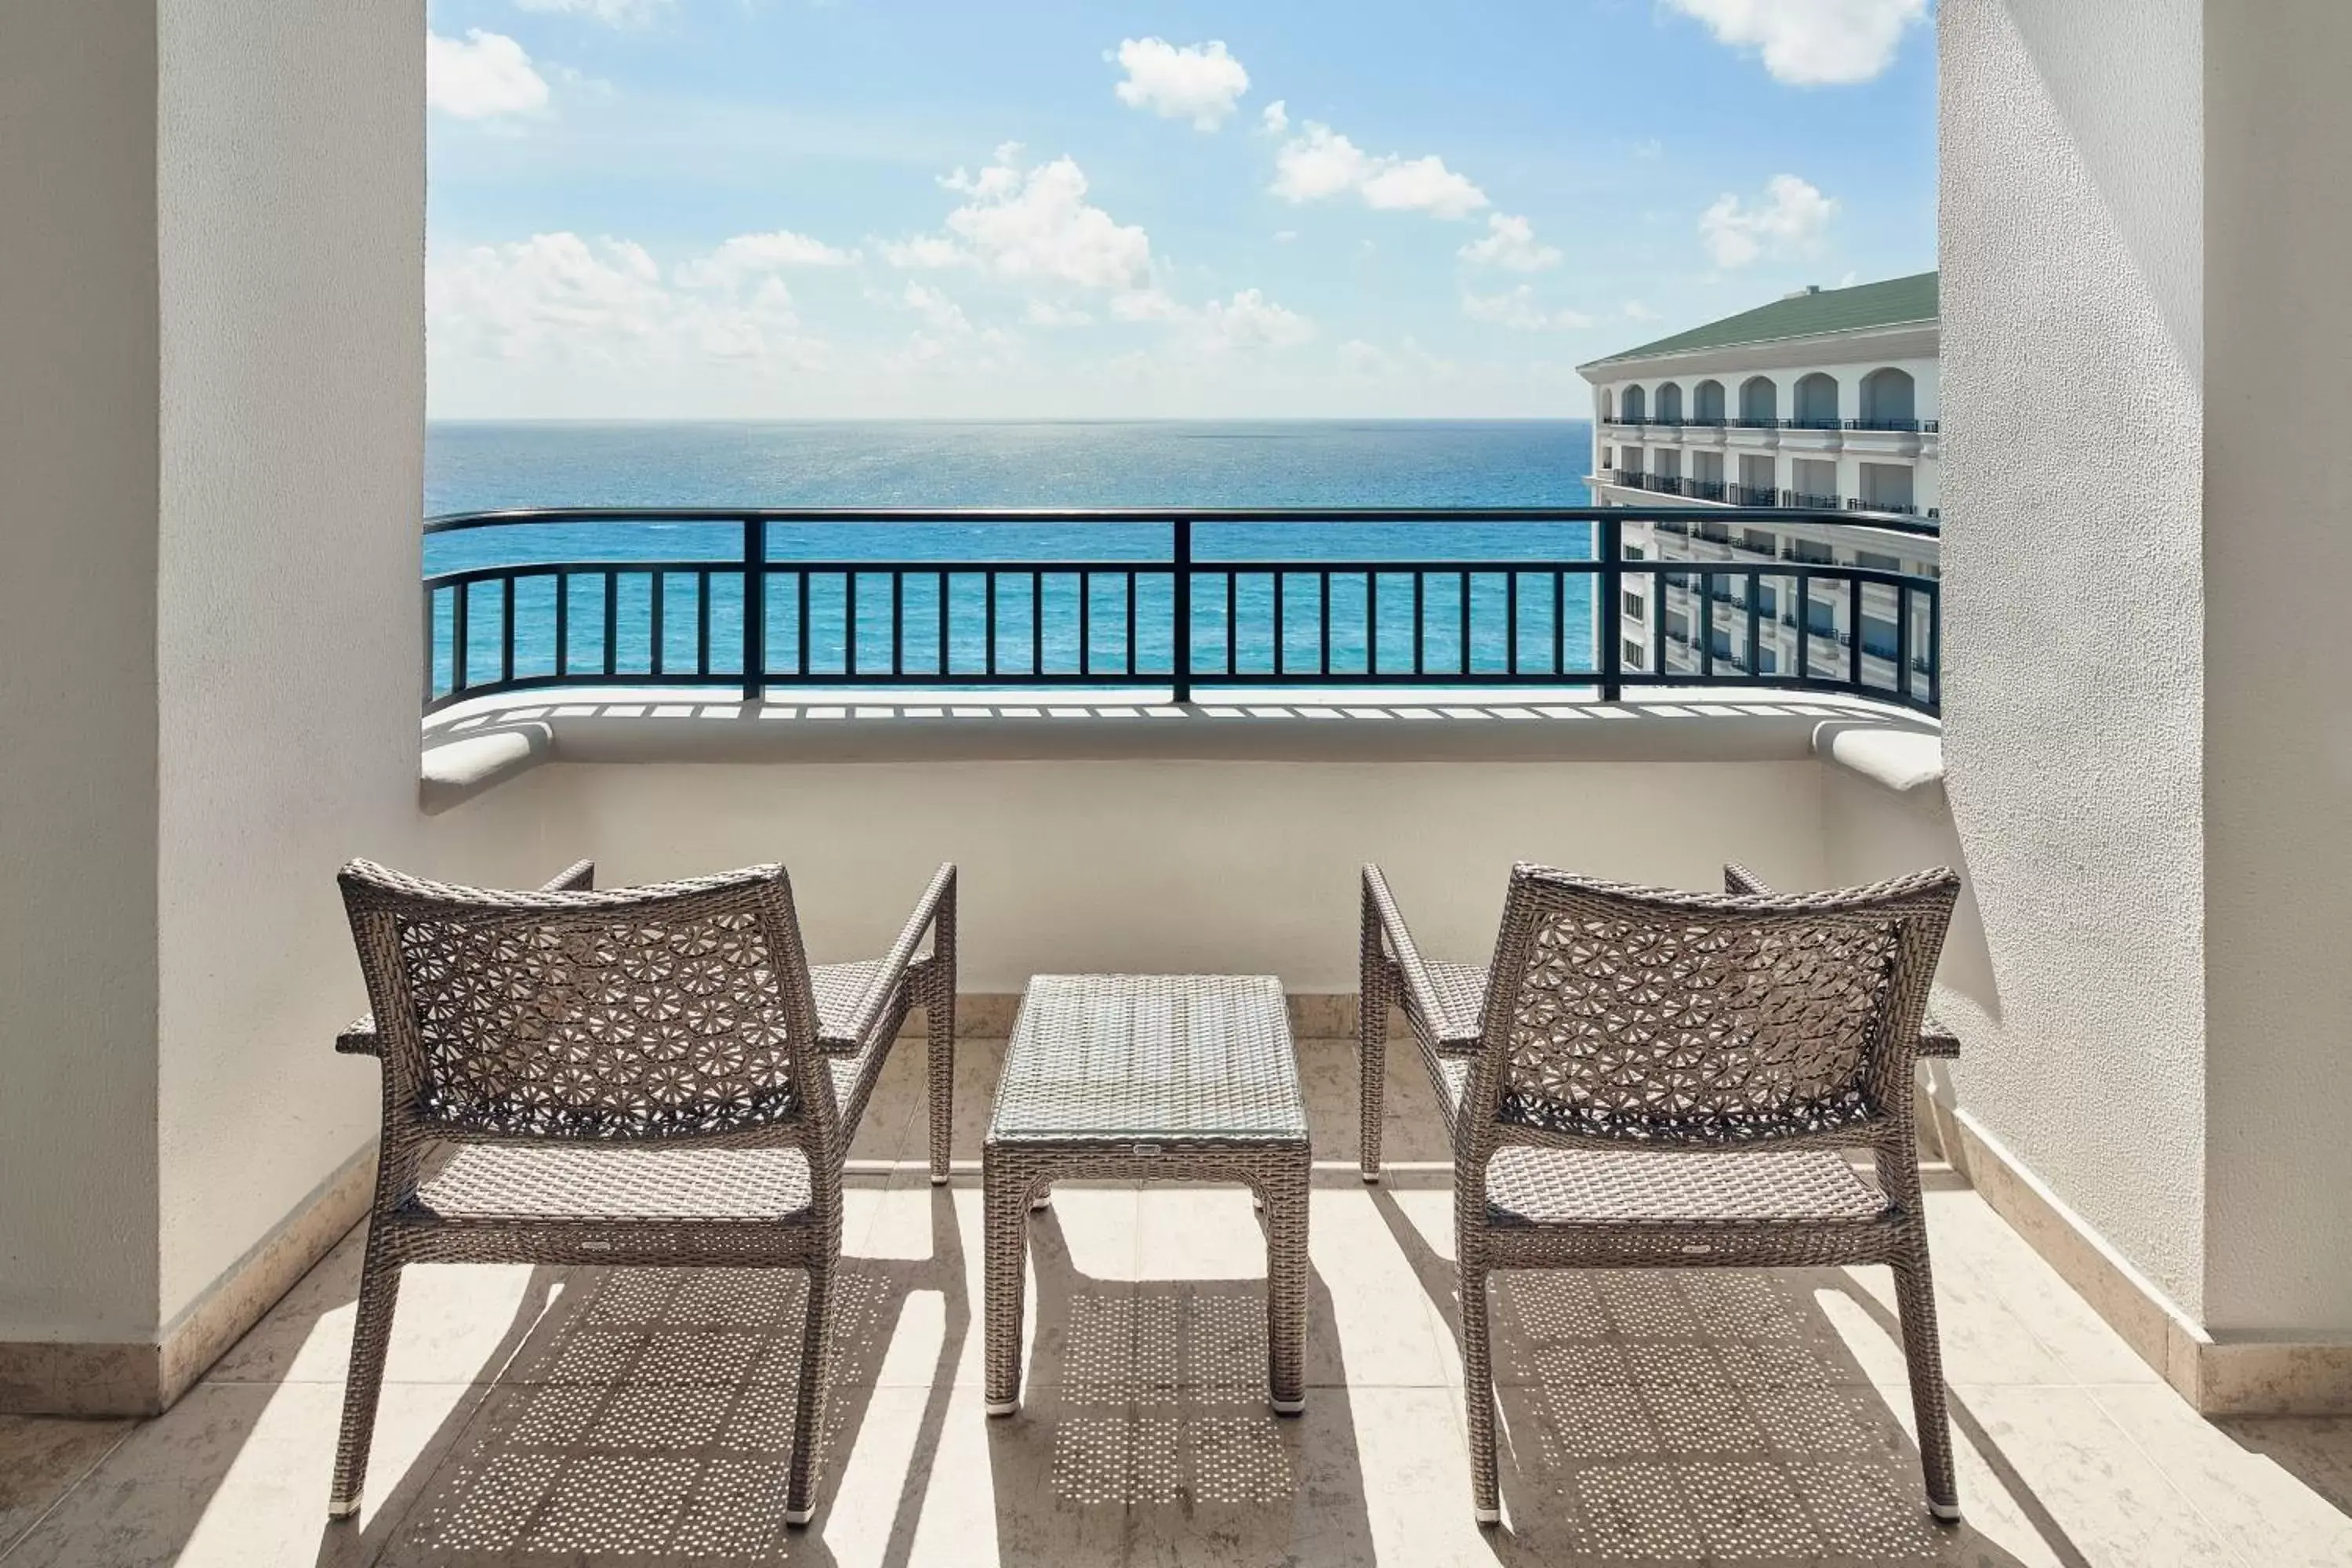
1287 1286
1005 1248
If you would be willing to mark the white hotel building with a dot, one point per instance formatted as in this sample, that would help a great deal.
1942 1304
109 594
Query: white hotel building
1826 399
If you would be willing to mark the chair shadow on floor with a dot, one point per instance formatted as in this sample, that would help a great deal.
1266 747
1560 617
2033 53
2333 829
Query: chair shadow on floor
1698 1415
1145 1432
645 1415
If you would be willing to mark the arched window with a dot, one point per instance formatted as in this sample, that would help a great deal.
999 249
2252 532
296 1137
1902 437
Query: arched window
1637 406
1888 399
1759 398
1708 400
1817 400
1608 407
1670 403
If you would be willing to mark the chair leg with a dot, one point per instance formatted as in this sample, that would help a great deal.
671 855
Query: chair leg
808 1407
938 1023
363 1385
1478 1392
1915 1300
1371 1064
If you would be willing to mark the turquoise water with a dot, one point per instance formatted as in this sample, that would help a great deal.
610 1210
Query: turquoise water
1205 465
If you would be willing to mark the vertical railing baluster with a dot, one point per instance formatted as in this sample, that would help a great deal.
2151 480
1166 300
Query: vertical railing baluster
946 581
1935 648
988 620
1085 623
1610 657
1854 630
507 630
702 624
1180 592
849 623
755 609
801 623
1371 623
426 641
1755 629
898 624
562 625
1232 622
1903 644
1131 659
611 622
460 633
1804 626
1705 619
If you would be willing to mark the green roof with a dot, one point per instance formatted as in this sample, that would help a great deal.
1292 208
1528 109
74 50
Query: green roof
1897 301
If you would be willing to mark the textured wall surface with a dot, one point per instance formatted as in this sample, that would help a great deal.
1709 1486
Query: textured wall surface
2278 653
2069 211
1220 865
77 671
290 224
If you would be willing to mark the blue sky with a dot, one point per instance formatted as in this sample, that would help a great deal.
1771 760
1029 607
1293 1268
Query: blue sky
748 208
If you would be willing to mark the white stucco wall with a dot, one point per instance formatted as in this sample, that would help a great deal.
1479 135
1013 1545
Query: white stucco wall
78 331
1174 864
2075 709
289 222
2278 654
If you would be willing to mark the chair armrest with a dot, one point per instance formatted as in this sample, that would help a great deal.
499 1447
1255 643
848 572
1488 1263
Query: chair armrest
358 1037
1935 1039
934 911
1381 910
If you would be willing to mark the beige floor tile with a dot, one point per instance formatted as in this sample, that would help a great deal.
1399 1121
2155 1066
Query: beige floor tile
2091 1482
1983 1341
454 1323
41 1458
237 1474
1967 1235
2268 1512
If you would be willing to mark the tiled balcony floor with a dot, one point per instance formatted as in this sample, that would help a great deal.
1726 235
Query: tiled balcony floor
547 1416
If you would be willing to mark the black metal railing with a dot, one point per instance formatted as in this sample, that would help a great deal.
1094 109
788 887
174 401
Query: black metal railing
757 616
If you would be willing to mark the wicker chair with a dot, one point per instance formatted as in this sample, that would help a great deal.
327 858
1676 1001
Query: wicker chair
648 1077
1652 1079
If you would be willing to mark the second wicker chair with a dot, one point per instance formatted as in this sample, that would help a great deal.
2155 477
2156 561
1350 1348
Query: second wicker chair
1644 1079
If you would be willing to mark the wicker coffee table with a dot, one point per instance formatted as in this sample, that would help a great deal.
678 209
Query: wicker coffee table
1185 1077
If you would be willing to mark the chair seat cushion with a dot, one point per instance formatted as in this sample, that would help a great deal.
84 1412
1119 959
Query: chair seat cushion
1604 1187
488 1184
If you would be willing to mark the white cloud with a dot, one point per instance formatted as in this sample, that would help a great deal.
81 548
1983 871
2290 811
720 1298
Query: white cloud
936 308
1250 320
1273 119
1510 244
1811 42
1045 314
1516 309
1793 219
557 299
485 76
751 255
927 252
1321 162
1200 82
612 12
1650 147
1035 224
1634 310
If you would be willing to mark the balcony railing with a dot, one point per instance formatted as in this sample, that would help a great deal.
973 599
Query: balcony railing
756 600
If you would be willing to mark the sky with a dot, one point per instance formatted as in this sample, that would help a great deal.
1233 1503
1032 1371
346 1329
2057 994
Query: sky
1188 209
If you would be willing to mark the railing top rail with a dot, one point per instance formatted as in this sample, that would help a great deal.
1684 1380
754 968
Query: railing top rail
449 523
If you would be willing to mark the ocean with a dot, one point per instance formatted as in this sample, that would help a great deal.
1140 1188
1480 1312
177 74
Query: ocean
472 466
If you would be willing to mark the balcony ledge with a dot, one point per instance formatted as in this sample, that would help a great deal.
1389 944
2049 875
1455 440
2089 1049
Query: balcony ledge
474 747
